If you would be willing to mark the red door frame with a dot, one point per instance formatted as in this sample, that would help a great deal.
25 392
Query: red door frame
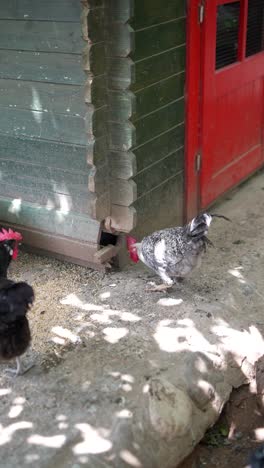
192 106
193 96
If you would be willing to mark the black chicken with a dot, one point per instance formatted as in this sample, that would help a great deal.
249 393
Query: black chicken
9 241
173 253
15 301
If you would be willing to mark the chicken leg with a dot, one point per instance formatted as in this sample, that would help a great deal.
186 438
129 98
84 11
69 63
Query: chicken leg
20 369
167 282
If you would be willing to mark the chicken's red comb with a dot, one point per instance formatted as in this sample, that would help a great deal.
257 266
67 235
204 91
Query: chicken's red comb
10 235
132 251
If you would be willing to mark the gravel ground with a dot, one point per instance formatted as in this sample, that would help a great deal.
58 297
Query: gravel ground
87 325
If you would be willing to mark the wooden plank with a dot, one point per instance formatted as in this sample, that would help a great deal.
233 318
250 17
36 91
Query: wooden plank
95 91
44 153
106 253
43 243
160 208
159 147
47 97
160 121
124 73
121 72
96 121
122 192
43 178
159 94
41 66
98 180
94 58
97 151
44 125
122 219
57 222
122 165
121 40
122 136
156 68
75 201
41 36
59 10
96 24
100 206
149 12
169 34
122 105
120 10
159 172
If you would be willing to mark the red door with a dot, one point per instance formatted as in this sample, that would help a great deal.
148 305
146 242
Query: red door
232 94
231 108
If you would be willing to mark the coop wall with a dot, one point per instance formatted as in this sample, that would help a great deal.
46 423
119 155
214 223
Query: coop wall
46 127
146 78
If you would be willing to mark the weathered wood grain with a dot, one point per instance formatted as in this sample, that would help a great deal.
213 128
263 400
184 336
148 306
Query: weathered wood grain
159 147
157 39
41 178
158 67
59 10
43 97
123 192
75 201
161 207
149 12
41 66
122 165
44 125
41 36
71 225
151 125
44 153
123 218
122 136
159 172
159 94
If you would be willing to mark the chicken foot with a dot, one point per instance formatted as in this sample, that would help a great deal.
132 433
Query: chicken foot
167 282
159 287
20 369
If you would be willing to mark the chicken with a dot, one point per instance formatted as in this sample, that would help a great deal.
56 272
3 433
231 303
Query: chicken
257 458
15 301
9 241
173 253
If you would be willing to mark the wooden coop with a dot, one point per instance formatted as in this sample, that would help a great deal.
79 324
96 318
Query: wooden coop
124 116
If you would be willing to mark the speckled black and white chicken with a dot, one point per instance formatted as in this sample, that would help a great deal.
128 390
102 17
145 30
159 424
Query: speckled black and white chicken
173 253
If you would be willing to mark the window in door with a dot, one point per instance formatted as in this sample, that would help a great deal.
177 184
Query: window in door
227 34
255 27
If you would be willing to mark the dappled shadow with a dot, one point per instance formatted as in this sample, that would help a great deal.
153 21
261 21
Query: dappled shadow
148 373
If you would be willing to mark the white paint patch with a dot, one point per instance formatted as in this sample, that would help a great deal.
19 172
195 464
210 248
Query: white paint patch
160 250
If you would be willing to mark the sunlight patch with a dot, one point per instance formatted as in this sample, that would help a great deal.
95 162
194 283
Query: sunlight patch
169 302
56 441
130 459
15 206
113 335
93 442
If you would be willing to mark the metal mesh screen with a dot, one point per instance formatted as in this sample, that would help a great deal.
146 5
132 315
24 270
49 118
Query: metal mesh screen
255 27
227 34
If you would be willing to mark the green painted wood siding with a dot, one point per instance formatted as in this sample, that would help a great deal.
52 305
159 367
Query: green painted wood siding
146 79
46 129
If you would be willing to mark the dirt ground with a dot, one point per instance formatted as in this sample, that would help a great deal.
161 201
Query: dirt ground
229 443
81 313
